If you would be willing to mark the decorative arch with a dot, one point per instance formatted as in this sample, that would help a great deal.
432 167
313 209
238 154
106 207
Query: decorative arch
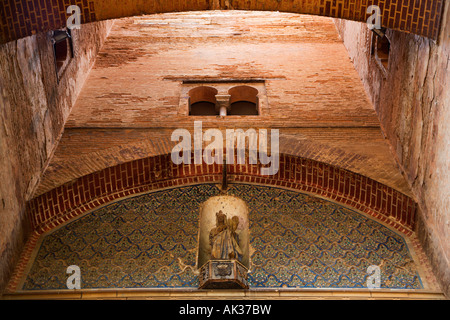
149 241
72 199
19 19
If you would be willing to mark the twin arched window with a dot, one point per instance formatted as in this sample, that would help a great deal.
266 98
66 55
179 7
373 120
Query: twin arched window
240 100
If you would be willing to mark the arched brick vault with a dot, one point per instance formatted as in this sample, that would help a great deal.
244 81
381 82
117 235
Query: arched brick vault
70 200
20 18
126 112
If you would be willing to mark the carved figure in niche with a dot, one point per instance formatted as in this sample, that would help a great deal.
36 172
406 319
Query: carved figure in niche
223 239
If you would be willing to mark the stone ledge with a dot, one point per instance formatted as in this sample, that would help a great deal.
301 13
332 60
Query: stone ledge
194 294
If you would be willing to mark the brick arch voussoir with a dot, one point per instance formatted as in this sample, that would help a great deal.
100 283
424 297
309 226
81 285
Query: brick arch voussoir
71 200
19 18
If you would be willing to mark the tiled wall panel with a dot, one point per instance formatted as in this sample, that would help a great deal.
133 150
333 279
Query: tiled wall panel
151 241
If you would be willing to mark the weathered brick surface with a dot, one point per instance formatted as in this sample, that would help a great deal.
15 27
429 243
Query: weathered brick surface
22 18
73 199
412 102
33 108
130 105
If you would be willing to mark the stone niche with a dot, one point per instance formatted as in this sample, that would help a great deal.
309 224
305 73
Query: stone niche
223 256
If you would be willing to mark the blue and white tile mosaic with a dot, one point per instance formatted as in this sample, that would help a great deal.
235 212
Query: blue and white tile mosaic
150 241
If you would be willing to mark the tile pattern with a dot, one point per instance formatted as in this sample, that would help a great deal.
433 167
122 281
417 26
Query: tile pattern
150 241
301 241
146 241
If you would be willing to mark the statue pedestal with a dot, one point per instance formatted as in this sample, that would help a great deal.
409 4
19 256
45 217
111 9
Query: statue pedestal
223 274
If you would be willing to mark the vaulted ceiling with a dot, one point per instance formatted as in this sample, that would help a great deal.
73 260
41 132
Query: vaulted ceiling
131 103
421 17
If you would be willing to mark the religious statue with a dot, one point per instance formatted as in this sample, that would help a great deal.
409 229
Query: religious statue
223 239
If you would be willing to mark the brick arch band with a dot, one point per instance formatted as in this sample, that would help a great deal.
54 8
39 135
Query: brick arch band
84 194
20 18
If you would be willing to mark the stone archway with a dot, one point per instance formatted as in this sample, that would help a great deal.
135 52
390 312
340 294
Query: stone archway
149 241
74 198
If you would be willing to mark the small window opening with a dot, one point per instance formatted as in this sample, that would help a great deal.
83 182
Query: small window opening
382 50
202 101
243 101
63 50
381 47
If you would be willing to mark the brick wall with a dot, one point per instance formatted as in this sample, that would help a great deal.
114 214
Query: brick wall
34 106
68 201
23 18
130 104
412 105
